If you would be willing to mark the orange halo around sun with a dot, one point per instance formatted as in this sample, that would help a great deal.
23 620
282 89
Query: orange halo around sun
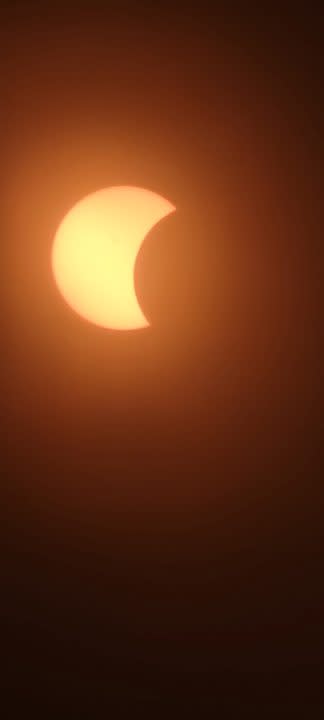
95 250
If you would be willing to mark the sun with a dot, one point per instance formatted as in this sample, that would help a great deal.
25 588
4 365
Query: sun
95 250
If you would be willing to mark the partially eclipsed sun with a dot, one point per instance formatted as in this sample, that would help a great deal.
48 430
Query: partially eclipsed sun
95 250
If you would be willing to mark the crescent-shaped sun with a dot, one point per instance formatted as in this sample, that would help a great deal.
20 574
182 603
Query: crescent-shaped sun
95 250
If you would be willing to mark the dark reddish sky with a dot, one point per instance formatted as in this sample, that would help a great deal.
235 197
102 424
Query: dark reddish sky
161 508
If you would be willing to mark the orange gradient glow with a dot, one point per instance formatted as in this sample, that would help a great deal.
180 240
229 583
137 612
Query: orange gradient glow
95 250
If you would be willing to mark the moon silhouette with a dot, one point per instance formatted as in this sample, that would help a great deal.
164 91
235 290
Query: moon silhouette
95 250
